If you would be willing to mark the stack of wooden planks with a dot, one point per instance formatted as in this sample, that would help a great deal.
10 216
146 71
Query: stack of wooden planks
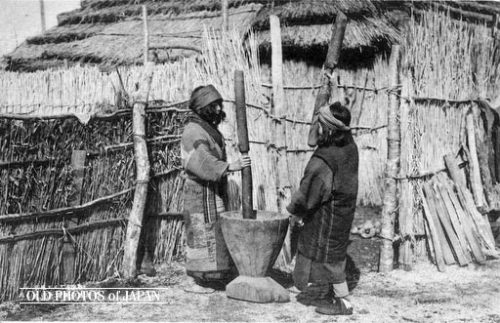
457 232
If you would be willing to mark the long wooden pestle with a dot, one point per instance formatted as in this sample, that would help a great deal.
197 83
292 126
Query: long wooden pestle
244 146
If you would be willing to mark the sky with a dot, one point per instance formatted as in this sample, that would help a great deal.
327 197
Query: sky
20 19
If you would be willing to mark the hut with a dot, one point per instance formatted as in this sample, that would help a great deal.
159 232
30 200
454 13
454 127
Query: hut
449 69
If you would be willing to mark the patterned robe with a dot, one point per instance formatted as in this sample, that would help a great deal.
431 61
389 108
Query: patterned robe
326 201
203 157
205 196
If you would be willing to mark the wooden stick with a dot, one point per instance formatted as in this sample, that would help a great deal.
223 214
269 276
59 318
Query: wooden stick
390 205
463 258
244 145
42 16
225 20
136 217
34 163
146 34
466 223
482 225
434 237
450 214
330 64
361 104
60 232
483 145
448 257
475 176
61 212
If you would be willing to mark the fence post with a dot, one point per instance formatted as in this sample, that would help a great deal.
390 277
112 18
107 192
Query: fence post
330 64
390 203
135 221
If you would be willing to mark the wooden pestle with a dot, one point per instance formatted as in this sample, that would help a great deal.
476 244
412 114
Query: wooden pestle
243 144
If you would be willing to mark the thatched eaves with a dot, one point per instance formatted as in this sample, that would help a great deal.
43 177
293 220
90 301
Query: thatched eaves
121 42
110 31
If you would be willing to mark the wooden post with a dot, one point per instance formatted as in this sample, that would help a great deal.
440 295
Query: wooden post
146 34
68 253
135 221
42 16
243 144
278 109
390 205
225 17
329 66
136 217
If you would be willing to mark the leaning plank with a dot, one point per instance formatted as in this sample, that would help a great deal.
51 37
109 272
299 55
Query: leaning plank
447 228
449 259
466 224
434 237
463 255
482 226
451 216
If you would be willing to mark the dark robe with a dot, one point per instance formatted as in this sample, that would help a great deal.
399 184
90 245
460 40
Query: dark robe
326 200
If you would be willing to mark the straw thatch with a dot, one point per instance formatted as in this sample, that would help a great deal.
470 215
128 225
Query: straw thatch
109 31
121 42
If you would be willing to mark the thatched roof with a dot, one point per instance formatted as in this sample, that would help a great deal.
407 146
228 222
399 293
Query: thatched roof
110 31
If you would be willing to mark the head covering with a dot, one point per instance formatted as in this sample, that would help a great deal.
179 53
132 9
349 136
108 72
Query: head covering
203 96
328 121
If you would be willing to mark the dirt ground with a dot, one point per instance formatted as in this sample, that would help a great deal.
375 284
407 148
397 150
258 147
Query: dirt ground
423 295
468 294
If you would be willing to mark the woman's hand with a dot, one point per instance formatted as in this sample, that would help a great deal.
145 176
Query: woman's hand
239 164
296 221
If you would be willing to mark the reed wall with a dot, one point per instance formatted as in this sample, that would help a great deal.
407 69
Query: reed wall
446 64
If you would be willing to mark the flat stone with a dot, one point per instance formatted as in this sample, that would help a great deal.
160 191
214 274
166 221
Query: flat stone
257 289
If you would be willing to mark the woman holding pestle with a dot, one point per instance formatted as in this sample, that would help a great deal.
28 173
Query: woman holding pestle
324 208
203 157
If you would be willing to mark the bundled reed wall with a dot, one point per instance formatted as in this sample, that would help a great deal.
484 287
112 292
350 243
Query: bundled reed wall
369 120
447 63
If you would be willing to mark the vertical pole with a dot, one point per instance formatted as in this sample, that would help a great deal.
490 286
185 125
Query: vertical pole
390 205
136 218
225 17
42 16
279 108
331 62
146 33
243 144
279 127
78 158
